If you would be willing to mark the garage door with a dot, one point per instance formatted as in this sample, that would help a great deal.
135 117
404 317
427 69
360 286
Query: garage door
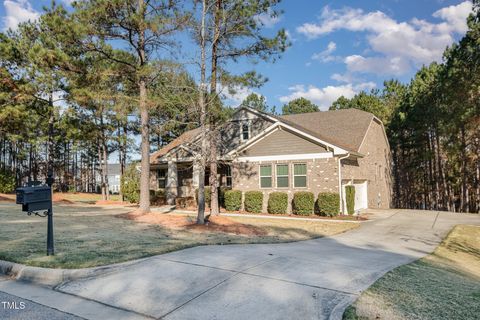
361 193
361 198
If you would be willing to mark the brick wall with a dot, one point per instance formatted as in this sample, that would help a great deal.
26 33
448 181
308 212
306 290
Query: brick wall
374 167
322 176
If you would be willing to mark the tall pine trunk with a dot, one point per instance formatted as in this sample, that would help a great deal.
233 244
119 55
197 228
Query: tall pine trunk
144 205
145 151
214 207
203 118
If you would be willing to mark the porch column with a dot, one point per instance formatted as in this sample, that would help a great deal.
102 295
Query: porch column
172 182
196 174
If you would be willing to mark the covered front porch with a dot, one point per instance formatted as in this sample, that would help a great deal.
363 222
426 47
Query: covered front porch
180 179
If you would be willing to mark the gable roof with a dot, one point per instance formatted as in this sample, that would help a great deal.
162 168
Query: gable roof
187 136
345 128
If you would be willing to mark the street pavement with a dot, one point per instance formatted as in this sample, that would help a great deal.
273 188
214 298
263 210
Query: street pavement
314 279
15 308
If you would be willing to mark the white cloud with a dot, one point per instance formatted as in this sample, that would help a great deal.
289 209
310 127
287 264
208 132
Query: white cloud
455 16
346 77
326 55
399 45
17 11
378 65
234 96
269 19
324 97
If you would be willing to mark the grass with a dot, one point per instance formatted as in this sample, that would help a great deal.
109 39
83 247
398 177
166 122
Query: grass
87 236
80 197
443 285
86 197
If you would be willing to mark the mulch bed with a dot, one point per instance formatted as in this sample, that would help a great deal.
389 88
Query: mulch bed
214 223
111 202
313 216
7 198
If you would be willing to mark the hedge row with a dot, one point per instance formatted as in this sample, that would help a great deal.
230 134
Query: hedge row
277 202
327 204
303 202
253 201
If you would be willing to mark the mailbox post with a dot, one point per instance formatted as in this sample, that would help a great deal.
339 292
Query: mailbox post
39 198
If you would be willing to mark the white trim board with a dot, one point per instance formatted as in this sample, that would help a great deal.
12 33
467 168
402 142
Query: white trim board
303 156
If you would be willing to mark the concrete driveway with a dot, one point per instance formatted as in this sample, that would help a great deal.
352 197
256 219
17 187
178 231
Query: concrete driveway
313 279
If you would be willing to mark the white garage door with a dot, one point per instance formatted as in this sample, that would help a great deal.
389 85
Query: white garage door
361 195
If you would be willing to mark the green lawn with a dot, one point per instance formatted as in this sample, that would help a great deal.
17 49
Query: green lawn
444 285
87 236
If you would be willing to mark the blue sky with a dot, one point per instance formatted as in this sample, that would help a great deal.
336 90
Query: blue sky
338 47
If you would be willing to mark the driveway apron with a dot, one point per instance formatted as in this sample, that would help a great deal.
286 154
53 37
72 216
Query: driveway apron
314 279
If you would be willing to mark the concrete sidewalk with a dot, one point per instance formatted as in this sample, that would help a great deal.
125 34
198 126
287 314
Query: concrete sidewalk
313 279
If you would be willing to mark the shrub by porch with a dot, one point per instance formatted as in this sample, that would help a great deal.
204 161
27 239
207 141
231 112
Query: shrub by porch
278 202
253 201
303 203
328 204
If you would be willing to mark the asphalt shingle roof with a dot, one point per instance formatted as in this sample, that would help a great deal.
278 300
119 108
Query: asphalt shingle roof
343 128
185 137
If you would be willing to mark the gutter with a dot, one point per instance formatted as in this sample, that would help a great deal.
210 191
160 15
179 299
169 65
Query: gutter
340 190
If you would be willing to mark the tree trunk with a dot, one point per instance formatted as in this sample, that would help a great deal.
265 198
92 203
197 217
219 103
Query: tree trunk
145 151
144 205
214 210
203 118
51 122
464 203
477 201
213 179
100 169
105 168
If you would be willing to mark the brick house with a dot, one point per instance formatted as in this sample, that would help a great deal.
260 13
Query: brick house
317 152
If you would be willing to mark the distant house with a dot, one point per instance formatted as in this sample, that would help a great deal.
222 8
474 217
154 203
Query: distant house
317 152
113 176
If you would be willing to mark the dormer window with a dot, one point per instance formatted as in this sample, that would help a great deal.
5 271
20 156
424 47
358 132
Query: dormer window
245 131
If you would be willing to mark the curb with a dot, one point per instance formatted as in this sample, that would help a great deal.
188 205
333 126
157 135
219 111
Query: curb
53 277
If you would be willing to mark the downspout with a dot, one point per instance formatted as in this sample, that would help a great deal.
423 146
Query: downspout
340 189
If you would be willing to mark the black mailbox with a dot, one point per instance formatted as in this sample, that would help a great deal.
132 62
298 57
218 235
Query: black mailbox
34 198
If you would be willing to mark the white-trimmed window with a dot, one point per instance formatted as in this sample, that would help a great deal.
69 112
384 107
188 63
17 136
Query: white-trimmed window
282 175
162 178
245 131
228 176
299 175
266 176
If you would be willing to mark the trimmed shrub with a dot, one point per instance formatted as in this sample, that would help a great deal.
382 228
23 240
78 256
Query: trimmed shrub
7 181
303 203
221 195
350 199
233 200
130 184
253 201
278 202
185 202
207 196
328 204
158 197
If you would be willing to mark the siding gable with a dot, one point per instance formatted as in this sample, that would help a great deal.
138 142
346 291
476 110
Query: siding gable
282 142
230 133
